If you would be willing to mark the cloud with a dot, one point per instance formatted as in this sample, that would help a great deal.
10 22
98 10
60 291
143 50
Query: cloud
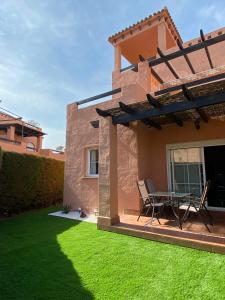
56 52
212 13
35 40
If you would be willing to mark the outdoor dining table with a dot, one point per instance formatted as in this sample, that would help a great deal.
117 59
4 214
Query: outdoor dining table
172 199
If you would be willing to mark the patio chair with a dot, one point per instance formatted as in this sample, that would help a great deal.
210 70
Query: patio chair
150 185
198 206
148 202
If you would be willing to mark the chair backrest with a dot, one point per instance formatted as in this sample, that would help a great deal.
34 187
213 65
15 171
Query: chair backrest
204 195
150 186
142 189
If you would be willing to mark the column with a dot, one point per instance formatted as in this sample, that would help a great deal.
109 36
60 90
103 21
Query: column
11 133
39 143
108 191
162 36
117 58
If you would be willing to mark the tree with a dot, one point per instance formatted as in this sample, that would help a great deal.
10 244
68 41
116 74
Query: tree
59 148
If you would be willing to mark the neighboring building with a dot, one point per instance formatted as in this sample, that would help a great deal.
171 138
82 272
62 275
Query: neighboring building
19 136
165 121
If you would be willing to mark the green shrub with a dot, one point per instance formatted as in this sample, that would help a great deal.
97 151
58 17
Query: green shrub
28 181
66 209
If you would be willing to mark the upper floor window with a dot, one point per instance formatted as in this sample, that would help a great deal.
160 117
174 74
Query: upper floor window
92 162
30 147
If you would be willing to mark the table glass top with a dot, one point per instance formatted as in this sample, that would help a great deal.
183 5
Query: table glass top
169 194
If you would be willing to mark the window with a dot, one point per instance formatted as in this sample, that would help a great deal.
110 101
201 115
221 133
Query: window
92 162
187 170
30 147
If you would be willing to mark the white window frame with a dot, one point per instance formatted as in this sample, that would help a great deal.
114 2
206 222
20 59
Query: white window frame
197 144
88 162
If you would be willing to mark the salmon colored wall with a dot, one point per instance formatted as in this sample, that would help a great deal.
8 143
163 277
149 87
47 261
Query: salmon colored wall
141 154
152 146
80 190
127 168
144 43
3 133
169 40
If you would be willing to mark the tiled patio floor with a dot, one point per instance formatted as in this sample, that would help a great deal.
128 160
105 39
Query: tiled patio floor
192 225
194 233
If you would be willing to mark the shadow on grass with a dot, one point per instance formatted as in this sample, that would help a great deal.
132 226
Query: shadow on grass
32 264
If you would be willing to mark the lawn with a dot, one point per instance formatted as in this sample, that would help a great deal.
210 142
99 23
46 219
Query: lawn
45 257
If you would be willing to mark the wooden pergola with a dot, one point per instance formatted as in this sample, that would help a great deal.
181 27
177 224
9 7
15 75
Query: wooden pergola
197 104
182 52
196 100
162 107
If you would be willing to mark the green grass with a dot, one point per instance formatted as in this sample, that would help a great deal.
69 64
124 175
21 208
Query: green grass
44 257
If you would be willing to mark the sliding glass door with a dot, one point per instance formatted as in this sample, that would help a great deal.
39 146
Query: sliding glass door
186 166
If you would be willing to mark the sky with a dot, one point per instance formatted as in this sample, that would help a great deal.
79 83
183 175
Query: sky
55 52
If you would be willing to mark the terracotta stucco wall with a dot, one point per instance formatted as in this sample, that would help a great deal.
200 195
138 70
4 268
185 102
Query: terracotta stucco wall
152 146
141 154
80 190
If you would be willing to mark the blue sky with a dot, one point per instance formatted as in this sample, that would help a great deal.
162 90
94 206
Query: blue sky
55 52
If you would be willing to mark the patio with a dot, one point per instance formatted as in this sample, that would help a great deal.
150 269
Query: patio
176 157
194 233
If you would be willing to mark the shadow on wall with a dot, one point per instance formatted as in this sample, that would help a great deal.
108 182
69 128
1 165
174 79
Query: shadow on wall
33 265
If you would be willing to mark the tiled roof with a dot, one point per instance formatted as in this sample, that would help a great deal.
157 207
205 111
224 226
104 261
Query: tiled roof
149 18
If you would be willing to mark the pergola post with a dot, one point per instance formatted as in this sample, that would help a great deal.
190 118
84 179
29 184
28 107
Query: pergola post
108 191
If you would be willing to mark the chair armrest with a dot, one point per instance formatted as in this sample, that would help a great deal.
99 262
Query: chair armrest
195 198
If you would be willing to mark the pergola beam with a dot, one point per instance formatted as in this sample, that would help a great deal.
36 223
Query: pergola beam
156 75
197 123
203 115
176 120
186 57
103 95
141 58
135 69
206 49
188 95
152 123
179 53
192 83
156 104
187 50
173 108
103 113
124 107
170 67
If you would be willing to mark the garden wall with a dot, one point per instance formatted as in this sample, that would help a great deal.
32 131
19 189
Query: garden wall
28 181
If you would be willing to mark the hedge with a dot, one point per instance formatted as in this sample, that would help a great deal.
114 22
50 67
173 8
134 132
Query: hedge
28 181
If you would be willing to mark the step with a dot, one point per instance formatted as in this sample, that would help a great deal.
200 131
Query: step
210 246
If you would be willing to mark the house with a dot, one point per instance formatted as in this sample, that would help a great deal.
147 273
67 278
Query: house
165 121
23 137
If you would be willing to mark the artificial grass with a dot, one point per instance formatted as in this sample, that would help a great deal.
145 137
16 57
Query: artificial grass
45 257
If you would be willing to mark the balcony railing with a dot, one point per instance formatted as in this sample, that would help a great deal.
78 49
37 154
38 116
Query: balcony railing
10 141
